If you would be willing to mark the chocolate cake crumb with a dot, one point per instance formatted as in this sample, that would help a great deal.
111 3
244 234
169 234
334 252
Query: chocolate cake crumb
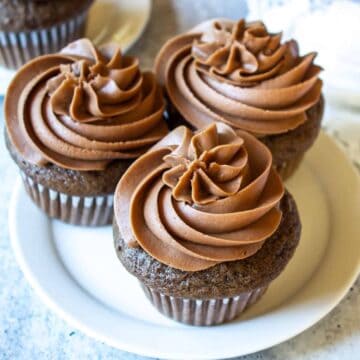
22 15
222 280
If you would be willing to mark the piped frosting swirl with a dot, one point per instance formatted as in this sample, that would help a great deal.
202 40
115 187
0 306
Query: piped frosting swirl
195 200
83 108
240 74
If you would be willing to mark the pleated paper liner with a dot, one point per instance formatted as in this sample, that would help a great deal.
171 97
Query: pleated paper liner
77 210
17 48
203 312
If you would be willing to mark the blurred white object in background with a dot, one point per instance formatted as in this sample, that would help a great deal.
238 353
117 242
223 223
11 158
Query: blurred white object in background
329 27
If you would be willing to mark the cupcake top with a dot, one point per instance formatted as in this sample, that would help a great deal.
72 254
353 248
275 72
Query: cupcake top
22 15
196 200
239 74
83 108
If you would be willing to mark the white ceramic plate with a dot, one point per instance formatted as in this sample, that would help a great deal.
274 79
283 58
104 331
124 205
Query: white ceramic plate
119 21
76 273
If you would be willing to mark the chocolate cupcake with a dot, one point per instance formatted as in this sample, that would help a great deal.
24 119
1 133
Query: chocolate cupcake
29 28
75 121
205 224
240 74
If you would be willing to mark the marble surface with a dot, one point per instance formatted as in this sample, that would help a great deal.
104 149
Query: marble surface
28 330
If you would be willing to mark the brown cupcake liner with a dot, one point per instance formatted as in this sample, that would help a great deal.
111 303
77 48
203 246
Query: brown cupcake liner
203 312
76 210
18 47
287 168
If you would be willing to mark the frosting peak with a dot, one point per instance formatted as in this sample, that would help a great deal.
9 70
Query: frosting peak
235 52
195 200
240 74
88 90
83 108
206 170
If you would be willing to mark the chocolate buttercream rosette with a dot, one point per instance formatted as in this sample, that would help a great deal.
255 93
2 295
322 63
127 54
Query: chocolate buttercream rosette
75 121
240 74
191 204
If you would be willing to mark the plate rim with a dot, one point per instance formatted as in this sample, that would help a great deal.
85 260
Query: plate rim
119 344
141 30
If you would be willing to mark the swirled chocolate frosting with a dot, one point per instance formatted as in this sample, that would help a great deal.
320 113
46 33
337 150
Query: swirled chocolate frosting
195 200
83 108
239 74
